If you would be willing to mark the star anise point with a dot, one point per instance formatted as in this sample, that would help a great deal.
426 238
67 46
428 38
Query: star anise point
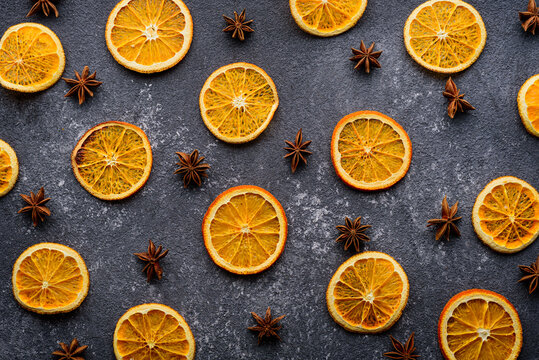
71 352
402 351
446 224
238 25
456 99
152 257
36 205
532 276
352 233
530 18
192 168
81 85
297 150
266 327
45 6
366 57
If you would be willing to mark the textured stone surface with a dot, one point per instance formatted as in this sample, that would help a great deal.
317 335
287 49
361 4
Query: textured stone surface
317 86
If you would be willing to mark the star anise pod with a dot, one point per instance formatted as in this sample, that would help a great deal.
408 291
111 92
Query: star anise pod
402 352
36 205
366 57
238 25
297 150
192 168
267 327
43 5
456 101
70 352
533 274
152 258
530 18
352 233
447 222
81 84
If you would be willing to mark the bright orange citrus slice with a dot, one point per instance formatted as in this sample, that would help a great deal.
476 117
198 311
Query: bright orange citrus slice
506 214
528 104
9 168
327 17
445 36
153 331
50 278
237 102
31 58
245 229
149 36
368 293
112 160
479 325
370 151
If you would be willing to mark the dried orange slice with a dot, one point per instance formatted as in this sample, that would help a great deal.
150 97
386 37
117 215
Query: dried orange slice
245 229
506 214
112 160
149 36
445 36
368 293
528 104
479 324
9 168
153 331
370 151
237 102
31 58
50 278
327 17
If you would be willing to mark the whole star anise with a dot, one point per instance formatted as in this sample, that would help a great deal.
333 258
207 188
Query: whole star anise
36 205
152 258
530 18
447 222
533 274
366 57
267 327
456 101
70 352
297 150
238 25
402 352
81 84
352 233
192 168
43 5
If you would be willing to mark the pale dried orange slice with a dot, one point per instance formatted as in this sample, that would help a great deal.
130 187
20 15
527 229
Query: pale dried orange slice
9 168
327 17
370 151
528 104
368 293
112 160
479 324
153 331
445 36
50 278
245 229
506 214
31 58
149 36
237 102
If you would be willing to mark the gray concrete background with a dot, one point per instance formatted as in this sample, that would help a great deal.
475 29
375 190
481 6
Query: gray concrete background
317 86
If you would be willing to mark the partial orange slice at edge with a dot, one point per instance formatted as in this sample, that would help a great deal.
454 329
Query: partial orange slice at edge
528 104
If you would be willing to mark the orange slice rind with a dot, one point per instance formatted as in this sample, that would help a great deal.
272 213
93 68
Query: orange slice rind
9 168
528 104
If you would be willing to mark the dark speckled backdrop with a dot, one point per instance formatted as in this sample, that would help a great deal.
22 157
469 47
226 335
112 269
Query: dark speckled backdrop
317 86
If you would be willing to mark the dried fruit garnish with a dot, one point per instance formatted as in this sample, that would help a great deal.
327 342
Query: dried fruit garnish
81 83
352 233
267 327
238 25
402 352
533 274
456 101
297 150
366 57
447 222
36 204
70 352
192 168
43 5
530 18
152 258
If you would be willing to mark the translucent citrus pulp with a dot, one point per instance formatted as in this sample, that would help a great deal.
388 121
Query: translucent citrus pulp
327 17
479 325
237 102
153 331
149 35
528 104
9 168
31 58
368 292
506 214
445 36
370 151
50 278
112 160
245 229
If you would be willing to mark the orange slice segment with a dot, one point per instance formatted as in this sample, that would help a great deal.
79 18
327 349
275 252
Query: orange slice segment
237 102
149 36
31 58
245 229
9 168
112 160
445 36
327 17
50 278
528 104
506 214
153 331
368 293
479 325
370 151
